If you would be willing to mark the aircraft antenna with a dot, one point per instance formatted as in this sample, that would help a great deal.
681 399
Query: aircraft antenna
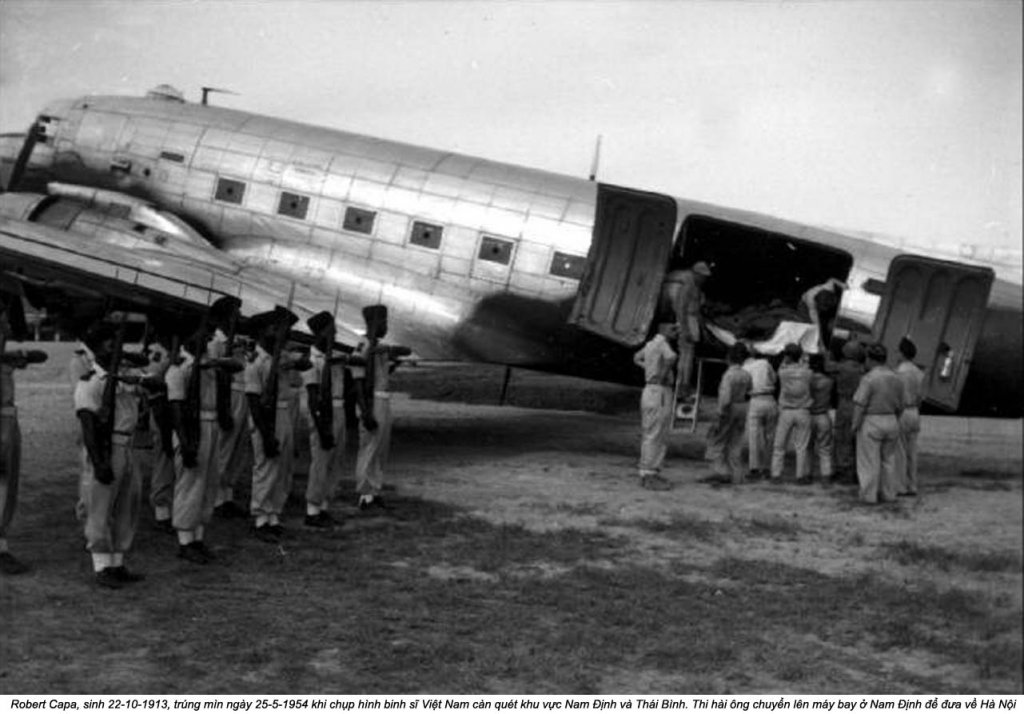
597 159
207 90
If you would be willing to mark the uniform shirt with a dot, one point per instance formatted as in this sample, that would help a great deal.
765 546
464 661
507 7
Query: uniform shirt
81 362
848 375
257 374
880 392
178 377
734 386
314 375
762 376
89 397
658 360
794 386
913 383
821 393
381 371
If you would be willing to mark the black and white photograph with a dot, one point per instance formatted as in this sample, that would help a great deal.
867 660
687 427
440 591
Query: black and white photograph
648 355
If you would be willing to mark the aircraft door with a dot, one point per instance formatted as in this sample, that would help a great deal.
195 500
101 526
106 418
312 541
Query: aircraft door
941 307
628 257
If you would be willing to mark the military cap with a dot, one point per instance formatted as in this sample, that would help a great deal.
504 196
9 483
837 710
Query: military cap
223 307
272 318
373 313
907 348
320 322
701 268
853 350
877 352
793 351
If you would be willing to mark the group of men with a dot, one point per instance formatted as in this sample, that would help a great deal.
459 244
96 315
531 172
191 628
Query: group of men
221 411
873 440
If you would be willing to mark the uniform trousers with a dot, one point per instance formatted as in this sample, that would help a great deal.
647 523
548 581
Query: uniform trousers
10 467
655 424
272 477
684 367
906 453
877 443
161 486
112 510
726 444
234 446
373 448
795 423
845 440
325 465
822 442
195 489
761 417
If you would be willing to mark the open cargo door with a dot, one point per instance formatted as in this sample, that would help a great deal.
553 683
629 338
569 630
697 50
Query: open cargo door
941 307
628 257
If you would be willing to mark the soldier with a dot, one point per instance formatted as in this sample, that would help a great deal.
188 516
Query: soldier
325 384
161 485
727 441
848 374
794 413
910 420
822 388
80 363
658 360
107 409
268 390
682 297
762 413
192 397
878 404
374 406
12 324
234 444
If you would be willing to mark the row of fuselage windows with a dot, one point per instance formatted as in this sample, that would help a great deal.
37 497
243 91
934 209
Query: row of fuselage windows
426 235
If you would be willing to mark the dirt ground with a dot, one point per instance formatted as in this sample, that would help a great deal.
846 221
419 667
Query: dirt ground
520 556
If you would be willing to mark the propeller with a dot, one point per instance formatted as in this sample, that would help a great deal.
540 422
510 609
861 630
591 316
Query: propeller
17 171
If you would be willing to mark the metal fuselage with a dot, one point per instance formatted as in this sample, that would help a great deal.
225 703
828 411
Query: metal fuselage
476 260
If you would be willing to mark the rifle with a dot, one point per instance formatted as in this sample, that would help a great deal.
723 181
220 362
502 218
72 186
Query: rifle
192 392
108 407
224 418
268 399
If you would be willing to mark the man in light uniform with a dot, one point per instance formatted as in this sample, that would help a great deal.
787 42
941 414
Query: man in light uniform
10 432
325 384
113 491
268 389
848 372
234 444
161 484
372 388
658 360
794 413
878 404
726 442
762 413
682 297
822 387
910 419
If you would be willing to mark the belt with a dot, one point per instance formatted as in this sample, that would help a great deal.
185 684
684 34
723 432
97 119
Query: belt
121 437
762 394
337 401
793 409
660 382
207 414
237 387
9 411
284 404
384 395
818 413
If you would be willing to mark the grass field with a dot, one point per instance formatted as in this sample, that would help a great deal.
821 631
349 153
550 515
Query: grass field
521 557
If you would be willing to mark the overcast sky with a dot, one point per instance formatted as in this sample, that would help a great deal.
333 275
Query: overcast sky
896 117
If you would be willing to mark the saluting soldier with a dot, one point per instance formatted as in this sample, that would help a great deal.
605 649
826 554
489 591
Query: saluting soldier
658 360
268 390
325 384
107 409
192 396
878 404
910 420
374 406
12 324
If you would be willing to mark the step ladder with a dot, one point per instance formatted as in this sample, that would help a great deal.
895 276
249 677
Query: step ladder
687 413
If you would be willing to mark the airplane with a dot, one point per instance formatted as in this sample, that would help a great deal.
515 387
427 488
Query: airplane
163 202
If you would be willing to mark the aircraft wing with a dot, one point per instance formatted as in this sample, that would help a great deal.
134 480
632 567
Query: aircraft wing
187 279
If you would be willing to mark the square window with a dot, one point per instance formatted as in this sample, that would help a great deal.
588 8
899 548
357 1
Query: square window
293 204
359 220
426 234
229 191
568 266
495 250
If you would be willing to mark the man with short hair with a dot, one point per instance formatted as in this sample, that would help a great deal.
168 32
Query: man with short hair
822 387
762 413
726 441
910 419
682 297
658 360
794 413
878 404
847 373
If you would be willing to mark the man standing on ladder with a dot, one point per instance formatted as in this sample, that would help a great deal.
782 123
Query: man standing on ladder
682 297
